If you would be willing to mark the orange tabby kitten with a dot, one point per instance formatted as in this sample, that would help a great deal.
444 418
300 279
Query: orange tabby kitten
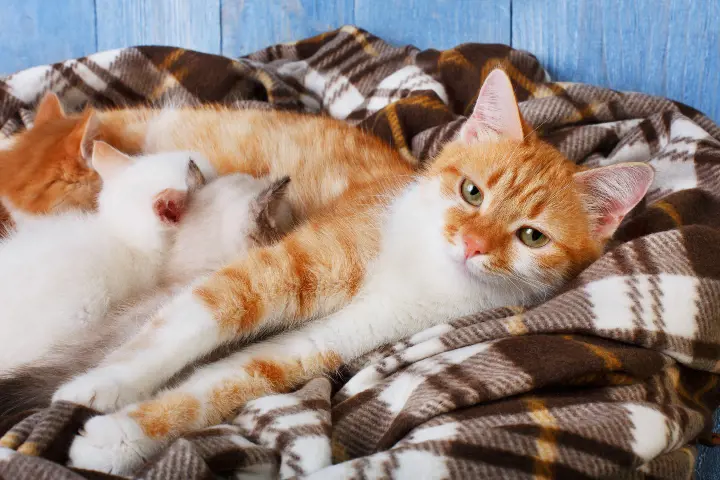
500 218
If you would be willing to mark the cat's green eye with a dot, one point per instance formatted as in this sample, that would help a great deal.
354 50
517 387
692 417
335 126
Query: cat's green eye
471 193
532 238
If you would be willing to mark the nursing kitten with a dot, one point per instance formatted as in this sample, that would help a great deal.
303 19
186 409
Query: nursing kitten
44 169
223 220
59 275
500 218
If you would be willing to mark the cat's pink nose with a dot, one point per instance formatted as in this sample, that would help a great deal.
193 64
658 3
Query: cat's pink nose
474 246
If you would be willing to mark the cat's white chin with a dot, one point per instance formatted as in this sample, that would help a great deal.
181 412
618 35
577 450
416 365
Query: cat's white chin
474 269
475 266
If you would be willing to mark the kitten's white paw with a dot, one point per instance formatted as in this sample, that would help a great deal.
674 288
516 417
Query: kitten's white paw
113 444
98 390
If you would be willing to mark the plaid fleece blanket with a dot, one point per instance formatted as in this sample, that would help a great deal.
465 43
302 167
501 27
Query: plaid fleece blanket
614 377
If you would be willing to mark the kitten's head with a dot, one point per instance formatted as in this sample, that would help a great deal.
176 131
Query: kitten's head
518 212
42 169
145 192
226 218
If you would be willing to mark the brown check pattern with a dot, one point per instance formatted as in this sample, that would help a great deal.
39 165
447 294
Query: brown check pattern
615 377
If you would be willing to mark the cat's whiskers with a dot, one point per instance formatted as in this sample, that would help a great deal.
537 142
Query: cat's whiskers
516 286
531 282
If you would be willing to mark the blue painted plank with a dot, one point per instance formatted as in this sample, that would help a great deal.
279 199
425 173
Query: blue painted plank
191 24
250 25
35 32
663 47
437 24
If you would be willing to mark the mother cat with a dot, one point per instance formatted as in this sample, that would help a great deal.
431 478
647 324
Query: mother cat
499 218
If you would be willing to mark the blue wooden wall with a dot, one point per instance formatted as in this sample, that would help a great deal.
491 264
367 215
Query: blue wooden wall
664 47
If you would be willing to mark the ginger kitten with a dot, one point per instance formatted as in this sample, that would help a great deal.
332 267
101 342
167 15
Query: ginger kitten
500 218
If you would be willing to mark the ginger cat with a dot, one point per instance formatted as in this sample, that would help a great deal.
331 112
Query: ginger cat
500 218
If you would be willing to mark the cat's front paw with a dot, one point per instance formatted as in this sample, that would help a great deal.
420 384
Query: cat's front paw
112 444
98 390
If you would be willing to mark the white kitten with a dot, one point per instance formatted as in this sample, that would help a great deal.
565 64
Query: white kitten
222 221
61 274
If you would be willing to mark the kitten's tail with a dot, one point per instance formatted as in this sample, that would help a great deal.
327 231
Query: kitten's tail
32 386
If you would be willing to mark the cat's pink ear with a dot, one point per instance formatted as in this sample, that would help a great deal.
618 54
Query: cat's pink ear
609 193
496 112
108 161
48 109
170 205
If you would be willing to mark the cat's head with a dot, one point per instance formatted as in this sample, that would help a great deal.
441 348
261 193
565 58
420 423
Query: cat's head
225 219
517 210
148 191
42 169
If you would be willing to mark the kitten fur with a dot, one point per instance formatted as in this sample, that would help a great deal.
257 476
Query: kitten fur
223 220
45 168
380 263
60 274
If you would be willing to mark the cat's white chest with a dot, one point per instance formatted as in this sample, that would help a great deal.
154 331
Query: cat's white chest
414 273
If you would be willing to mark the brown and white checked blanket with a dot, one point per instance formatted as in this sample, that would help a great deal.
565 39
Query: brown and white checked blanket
615 377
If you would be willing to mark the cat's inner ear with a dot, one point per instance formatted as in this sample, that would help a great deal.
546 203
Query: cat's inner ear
170 205
272 211
108 161
48 109
194 179
610 193
496 114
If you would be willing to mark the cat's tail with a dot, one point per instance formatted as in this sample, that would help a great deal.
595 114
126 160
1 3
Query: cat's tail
32 386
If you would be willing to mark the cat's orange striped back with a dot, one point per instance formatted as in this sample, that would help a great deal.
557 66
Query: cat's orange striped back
44 169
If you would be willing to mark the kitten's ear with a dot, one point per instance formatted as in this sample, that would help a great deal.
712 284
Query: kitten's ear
170 205
108 161
48 109
86 131
609 193
194 179
496 113
272 212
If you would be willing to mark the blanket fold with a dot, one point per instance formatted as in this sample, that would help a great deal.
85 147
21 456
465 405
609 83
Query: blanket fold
616 376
